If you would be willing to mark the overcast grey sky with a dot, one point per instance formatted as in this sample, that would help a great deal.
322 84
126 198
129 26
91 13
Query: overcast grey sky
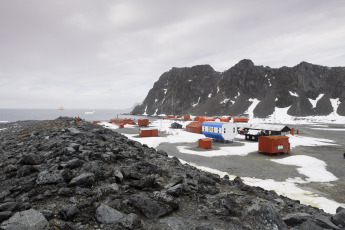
107 54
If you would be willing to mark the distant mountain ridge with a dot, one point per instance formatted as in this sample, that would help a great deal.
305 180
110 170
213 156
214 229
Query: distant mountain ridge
307 90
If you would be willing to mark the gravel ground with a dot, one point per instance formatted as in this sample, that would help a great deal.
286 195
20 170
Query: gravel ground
259 165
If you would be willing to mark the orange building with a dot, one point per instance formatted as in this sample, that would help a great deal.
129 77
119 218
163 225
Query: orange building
194 127
274 144
148 132
143 122
205 143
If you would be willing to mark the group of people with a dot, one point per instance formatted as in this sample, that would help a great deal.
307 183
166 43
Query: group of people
77 118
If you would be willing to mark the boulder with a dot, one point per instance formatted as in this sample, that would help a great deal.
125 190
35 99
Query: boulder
339 218
325 222
150 208
68 213
4 215
74 163
131 221
296 218
269 217
85 180
31 159
47 177
28 220
107 215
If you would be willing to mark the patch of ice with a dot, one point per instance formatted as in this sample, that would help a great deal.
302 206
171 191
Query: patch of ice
2 129
3 121
165 91
156 100
189 80
313 102
196 103
217 89
313 168
335 103
308 141
251 108
293 94
210 95
238 94
225 101
269 82
155 114
145 114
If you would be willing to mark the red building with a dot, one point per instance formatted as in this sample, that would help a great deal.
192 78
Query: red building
194 127
205 143
274 144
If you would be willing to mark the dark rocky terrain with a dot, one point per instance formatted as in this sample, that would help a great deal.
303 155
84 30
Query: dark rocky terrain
201 89
63 174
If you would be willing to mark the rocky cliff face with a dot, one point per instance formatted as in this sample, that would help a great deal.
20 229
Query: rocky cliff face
306 89
71 175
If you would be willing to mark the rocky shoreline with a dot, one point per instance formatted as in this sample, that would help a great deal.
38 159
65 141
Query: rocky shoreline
63 174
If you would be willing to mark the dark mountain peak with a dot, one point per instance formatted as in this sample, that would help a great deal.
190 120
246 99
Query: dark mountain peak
245 63
199 89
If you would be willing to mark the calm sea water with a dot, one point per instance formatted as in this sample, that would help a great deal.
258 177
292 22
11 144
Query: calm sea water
10 115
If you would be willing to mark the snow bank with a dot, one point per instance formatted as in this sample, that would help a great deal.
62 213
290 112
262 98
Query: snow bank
223 151
329 129
313 102
308 141
291 190
285 188
314 169
293 94
108 125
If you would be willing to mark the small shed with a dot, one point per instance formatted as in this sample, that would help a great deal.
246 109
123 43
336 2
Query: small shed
176 125
194 127
274 144
143 122
148 132
186 117
240 119
223 131
205 143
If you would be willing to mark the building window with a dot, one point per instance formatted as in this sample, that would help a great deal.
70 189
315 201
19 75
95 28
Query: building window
224 130
234 129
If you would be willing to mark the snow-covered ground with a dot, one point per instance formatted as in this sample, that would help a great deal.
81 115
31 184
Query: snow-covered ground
312 169
280 116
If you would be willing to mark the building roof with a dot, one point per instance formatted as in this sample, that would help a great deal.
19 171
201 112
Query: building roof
270 127
213 124
194 124
275 137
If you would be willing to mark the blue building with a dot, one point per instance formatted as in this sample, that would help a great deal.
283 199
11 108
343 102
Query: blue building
223 131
